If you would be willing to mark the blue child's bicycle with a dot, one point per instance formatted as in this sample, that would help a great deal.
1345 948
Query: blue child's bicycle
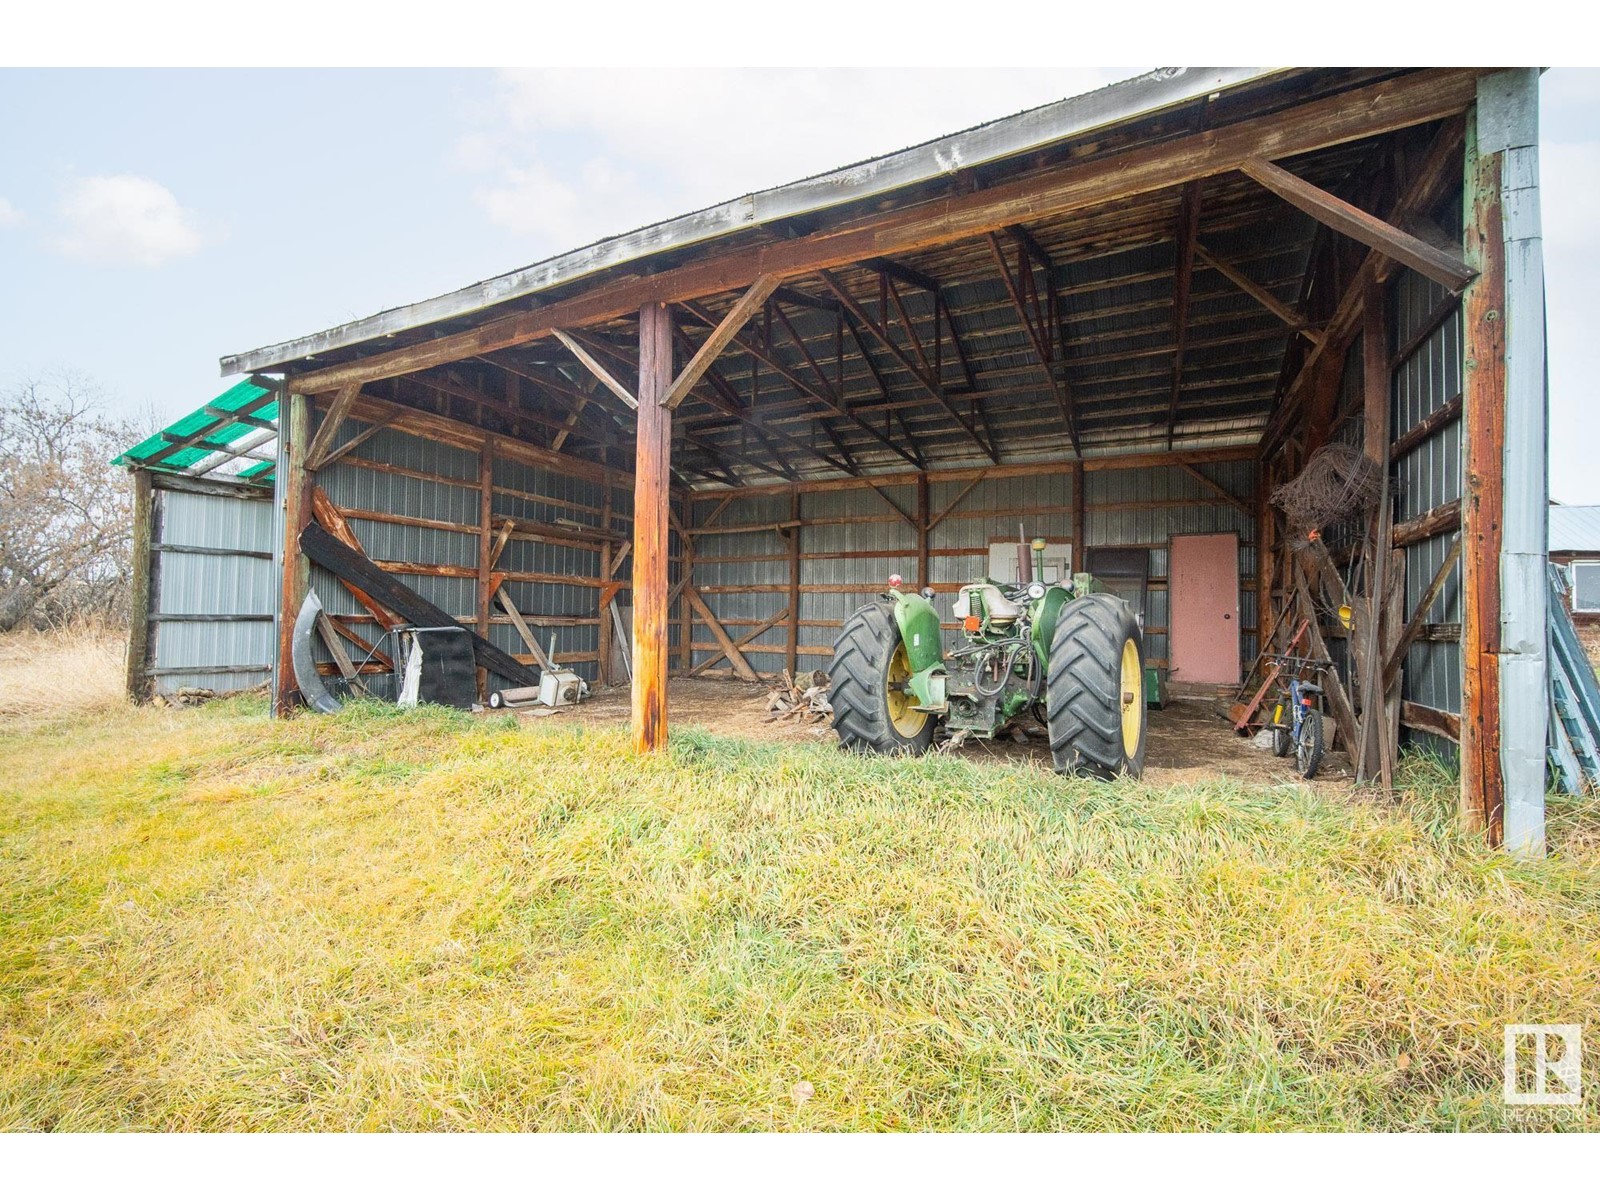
1297 717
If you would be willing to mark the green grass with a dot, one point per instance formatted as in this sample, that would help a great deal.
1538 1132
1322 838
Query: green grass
384 920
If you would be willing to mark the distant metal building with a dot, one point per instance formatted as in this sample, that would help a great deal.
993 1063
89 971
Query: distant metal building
1575 546
205 583
1118 320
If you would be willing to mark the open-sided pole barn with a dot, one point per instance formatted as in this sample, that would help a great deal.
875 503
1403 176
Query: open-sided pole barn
1119 320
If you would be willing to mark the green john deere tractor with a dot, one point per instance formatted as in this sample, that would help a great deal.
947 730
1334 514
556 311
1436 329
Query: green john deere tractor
1071 657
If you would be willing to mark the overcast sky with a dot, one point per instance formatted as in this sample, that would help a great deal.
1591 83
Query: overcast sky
151 221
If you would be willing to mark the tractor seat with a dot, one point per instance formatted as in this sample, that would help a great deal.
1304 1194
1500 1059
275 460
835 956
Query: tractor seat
995 606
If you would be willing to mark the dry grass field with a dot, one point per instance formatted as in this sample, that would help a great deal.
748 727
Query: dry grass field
57 672
387 920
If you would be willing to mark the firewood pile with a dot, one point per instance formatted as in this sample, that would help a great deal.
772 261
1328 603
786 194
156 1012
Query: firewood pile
801 698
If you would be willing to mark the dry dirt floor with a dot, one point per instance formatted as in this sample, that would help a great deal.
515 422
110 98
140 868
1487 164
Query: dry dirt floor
1189 741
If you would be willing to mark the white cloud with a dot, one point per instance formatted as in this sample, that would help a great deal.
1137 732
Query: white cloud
579 154
125 220
534 201
9 213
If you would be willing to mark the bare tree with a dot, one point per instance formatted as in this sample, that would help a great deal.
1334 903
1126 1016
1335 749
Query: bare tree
65 511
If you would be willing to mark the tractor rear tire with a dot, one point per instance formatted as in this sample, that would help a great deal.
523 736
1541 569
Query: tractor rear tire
870 715
1094 690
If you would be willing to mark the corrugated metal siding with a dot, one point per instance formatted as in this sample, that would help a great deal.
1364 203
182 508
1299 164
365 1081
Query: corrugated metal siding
770 572
521 491
1142 508
1427 477
1146 507
1574 529
220 655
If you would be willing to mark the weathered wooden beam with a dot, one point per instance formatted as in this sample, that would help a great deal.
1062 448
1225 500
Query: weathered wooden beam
581 353
338 410
1445 518
1344 715
1482 505
721 335
944 512
341 657
570 423
1216 488
921 526
1256 292
1431 720
1080 525
486 556
342 624
351 565
651 512
1419 619
1426 428
901 273
331 517
764 353
898 511
350 444
140 561
932 387
791 644
1426 188
295 488
1378 108
741 665
1376 750
1446 269
1043 354
1183 276
751 635
546 663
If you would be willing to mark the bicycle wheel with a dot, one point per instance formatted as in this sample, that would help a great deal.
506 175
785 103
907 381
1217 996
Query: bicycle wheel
1308 747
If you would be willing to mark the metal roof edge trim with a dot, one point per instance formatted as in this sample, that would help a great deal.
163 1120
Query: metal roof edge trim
1006 137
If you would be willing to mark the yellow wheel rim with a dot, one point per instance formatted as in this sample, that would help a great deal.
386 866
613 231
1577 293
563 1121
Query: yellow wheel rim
1132 698
907 721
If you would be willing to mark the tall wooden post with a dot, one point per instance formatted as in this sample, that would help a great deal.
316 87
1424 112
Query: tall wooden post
485 541
686 572
1374 756
603 640
1266 556
651 501
924 578
1079 524
294 428
1504 511
139 587
792 649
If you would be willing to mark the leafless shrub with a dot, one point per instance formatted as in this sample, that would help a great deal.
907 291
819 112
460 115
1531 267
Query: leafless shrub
65 511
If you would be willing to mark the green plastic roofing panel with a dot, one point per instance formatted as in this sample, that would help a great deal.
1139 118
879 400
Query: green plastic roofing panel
213 429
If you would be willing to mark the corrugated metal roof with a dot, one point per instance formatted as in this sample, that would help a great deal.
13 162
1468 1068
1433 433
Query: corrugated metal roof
1005 138
1574 527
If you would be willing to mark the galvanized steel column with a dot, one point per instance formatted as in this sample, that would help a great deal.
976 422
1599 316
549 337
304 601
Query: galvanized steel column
1504 535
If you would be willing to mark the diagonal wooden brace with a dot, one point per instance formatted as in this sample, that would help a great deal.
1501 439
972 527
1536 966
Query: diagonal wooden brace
744 308
1446 269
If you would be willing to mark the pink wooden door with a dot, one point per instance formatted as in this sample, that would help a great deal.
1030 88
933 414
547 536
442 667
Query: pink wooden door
1203 608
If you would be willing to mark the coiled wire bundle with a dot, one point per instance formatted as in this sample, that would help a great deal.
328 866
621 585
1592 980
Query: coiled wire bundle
1337 483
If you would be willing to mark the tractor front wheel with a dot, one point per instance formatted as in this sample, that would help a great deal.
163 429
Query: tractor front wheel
1094 691
872 707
